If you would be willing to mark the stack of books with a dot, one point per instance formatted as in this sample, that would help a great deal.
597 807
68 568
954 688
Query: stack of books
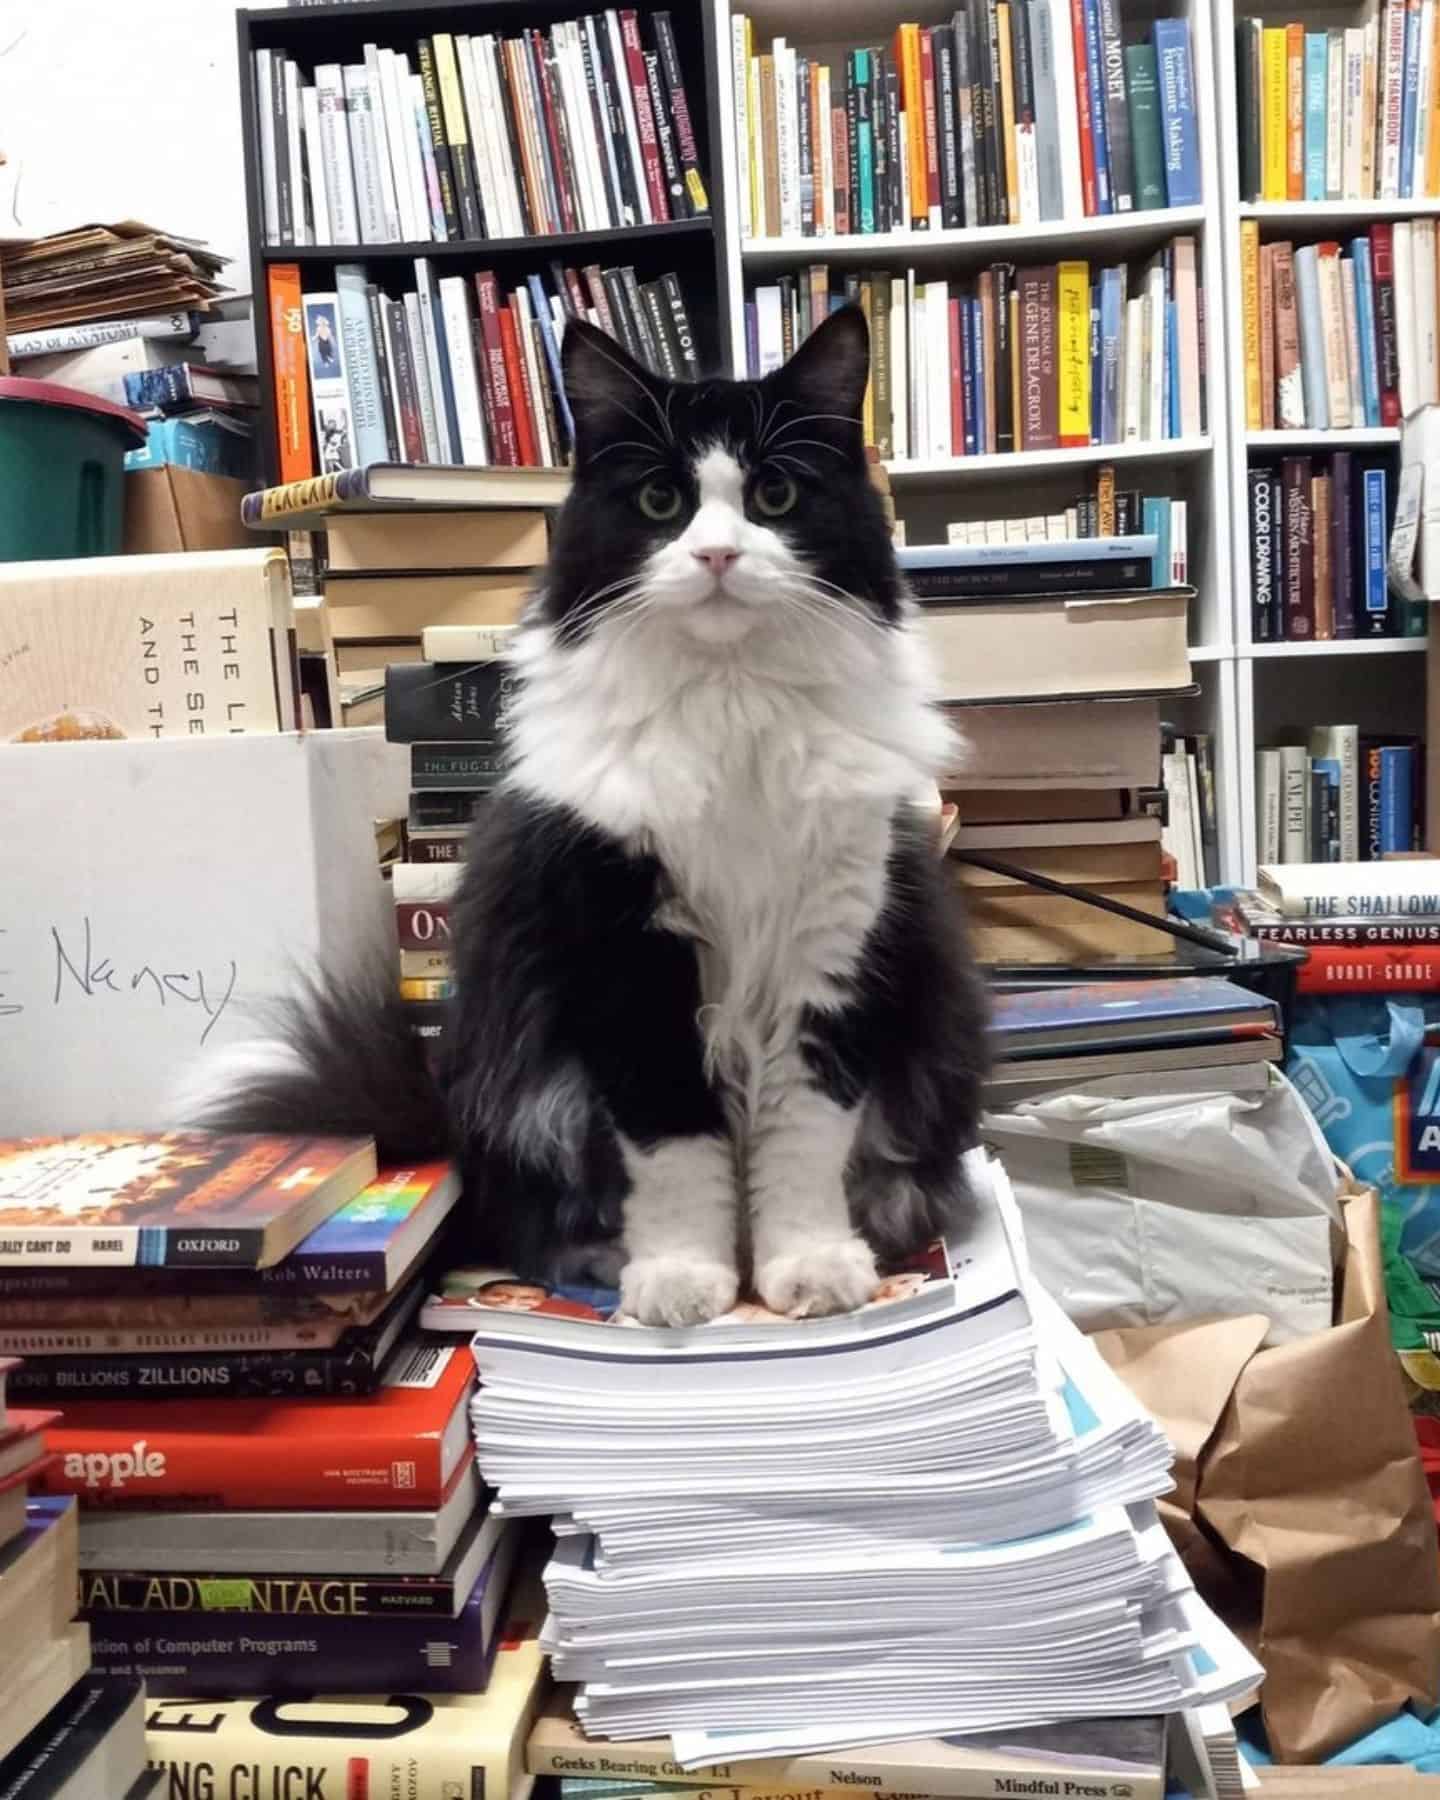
1344 113
1015 112
1339 336
1369 933
1039 358
1105 510
457 370
1339 798
931 1517
586 127
1058 710
104 273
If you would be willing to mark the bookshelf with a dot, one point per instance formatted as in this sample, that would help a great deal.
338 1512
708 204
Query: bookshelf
1284 688
690 247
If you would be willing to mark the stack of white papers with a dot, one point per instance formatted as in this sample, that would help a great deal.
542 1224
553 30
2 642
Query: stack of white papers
929 1517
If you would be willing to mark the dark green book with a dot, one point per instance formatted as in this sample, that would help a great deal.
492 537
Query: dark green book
1247 102
1146 146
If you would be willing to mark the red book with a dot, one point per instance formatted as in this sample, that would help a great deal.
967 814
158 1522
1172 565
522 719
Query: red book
22 1449
840 148
399 1447
550 124
957 388
496 380
1387 336
422 924
1370 969
291 377
519 394
932 135
644 116
1082 107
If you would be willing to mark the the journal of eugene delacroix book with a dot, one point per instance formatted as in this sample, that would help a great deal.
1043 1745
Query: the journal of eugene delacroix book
171 1199
191 645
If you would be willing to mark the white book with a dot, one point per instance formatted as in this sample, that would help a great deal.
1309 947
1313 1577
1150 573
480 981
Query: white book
335 150
1134 384
1154 423
1072 522
1392 97
464 378
1179 545
583 162
1353 114
1294 804
1178 835
787 140
1267 806
957 532
919 386
1407 338
1066 114
364 155
534 375
504 174
299 211
627 108
1013 531
465 644
329 382
825 199
405 146
420 114
1035 532
758 160
480 140
1341 890
899 369
994 531
424 379
1055 530
1427 98
1350 312
582 117
450 451
1027 169
740 87
1422 261
1340 744
937 359
266 124
1335 132
380 130
768 330
315 163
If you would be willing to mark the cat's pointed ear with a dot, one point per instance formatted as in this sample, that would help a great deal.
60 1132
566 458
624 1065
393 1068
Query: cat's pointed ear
610 395
828 373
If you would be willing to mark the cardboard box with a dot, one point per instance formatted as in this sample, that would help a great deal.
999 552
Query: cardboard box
182 509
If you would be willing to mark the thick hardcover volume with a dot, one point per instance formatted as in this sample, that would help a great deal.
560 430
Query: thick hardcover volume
1250 318
444 173
1387 334
287 353
680 116
1147 146
1177 112
654 174
1295 476
1264 520
399 1446
1073 305
1117 115
1370 969
429 702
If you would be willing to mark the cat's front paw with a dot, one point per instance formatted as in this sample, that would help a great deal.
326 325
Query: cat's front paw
677 1290
824 1278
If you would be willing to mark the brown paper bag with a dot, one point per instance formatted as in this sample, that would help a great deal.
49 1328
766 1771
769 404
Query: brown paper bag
1312 1479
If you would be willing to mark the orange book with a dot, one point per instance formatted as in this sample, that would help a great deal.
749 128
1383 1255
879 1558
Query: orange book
519 390
1007 113
905 47
819 126
291 375
1267 337
1294 112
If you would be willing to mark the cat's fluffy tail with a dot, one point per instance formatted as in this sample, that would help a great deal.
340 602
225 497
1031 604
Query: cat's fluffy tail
341 1060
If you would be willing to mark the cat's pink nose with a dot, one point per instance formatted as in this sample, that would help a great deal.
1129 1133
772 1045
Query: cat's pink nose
717 561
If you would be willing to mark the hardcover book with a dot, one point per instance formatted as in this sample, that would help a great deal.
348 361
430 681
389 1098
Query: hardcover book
92 1742
171 1199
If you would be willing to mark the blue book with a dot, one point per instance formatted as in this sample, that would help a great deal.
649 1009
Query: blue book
1410 100
1374 590
1119 1014
1317 66
1112 327
1157 525
864 143
1397 797
1095 69
213 443
1179 130
1312 339
1365 320
1137 545
1328 768
971 388
540 306
1172 369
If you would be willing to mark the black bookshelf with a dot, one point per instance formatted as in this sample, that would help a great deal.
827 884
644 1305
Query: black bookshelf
693 248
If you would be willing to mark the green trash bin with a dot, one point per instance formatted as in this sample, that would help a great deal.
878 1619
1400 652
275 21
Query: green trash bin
62 466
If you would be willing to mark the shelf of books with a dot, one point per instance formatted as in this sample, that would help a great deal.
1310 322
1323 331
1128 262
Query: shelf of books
1330 165
429 202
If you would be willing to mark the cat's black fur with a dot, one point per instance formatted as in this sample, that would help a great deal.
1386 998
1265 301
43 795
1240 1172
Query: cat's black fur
576 1015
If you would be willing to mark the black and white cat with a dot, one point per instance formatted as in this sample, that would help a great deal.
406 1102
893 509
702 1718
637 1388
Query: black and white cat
716 1019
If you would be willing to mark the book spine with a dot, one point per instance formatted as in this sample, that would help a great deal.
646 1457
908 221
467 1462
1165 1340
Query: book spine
444 172
1296 474
1322 533
1392 99
1074 353
1250 303
407 395
379 337
1387 334
1264 604
997 145
176 1375
335 151
1289 378
572 184
464 378
1095 85
951 207
1176 79
1312 339
1146 139
675 194
1117 114
1369 969
680 115
1342 544
457 135
629 125
1334 110
1332 326
425 149
423 924
1317 77
1267 337
644 118
1295 112
1397 813
287 352
362 371
1374 543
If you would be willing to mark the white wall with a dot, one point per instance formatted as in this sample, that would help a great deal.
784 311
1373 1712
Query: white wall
115 109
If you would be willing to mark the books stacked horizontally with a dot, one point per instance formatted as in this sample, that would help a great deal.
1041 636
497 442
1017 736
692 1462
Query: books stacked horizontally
1339 336
1106 510
104 272
1346 113
584 128
1037 358
1066 790
1072 1036
930 1517
458 370
1319 540
1008 115
200 415
1339 797
1369 930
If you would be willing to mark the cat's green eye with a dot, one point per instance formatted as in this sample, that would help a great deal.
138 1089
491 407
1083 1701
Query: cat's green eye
659 500
775 496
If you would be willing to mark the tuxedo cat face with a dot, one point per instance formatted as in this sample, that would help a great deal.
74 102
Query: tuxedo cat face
730 508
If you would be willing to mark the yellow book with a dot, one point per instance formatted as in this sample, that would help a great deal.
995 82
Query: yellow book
1432 143
752 120
867 414
1274 117
1007 112
1073 285
1250 312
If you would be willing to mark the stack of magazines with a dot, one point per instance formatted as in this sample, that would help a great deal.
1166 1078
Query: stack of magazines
932 1516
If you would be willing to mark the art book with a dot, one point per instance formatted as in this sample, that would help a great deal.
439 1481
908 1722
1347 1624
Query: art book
176 1199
